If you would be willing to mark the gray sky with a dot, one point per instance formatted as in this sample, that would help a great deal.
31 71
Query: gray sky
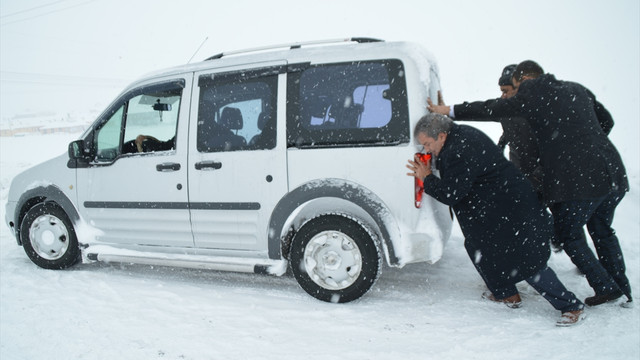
72 55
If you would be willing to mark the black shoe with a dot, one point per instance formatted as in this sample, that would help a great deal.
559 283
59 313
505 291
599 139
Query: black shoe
601 299
556 247
629 303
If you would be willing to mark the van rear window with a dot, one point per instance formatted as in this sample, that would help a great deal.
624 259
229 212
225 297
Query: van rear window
348 104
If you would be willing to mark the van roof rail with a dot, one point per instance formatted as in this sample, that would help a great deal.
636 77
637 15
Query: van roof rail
294 46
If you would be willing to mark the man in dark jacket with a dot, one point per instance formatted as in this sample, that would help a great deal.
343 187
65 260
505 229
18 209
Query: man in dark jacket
506 229
517 133
584 178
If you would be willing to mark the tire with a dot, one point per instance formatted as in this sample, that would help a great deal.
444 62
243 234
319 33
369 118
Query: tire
335 259
48 237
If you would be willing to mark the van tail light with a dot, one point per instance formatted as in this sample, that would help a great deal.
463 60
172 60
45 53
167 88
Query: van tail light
418 183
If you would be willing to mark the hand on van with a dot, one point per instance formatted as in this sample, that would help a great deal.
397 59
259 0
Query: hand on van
441 108
419 169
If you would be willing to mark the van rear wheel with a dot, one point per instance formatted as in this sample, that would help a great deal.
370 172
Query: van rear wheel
334 258
48 237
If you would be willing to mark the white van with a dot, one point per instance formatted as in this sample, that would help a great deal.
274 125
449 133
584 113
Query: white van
249 161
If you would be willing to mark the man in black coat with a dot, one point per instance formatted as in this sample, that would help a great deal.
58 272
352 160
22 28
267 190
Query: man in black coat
517 133
506 229
583 175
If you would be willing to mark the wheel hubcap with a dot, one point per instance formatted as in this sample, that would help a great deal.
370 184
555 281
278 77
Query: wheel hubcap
49 237
333 260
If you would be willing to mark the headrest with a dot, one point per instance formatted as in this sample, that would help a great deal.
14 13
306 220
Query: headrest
231 118
262 120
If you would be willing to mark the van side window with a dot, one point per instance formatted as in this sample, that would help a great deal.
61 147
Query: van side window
108 137
145 121
237 112
348 104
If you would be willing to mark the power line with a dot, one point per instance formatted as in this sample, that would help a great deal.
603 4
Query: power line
47 13
31 9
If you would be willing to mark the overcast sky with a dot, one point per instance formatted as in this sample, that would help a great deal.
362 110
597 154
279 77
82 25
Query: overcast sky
72 55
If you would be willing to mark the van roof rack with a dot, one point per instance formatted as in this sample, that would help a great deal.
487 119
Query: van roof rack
294 46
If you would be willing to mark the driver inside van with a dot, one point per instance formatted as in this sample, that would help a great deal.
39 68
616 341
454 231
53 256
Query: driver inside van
152 144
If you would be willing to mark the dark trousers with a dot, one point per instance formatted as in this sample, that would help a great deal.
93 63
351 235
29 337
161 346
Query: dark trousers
605 274
545 282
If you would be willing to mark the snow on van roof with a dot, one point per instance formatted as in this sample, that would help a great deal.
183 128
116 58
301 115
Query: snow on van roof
309 51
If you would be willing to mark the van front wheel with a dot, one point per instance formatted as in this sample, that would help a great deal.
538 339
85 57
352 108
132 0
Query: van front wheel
334 258
48 237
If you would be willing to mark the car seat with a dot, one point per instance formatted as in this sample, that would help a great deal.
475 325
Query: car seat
231 119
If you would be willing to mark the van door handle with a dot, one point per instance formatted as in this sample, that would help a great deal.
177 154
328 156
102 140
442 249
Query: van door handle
168 167
208 165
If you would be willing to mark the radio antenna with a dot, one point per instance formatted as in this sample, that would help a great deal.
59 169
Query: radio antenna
198 49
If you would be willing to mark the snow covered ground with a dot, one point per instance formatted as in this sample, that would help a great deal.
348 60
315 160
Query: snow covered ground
72 57
113 311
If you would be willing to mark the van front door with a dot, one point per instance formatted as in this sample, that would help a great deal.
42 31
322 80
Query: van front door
135 190
237 163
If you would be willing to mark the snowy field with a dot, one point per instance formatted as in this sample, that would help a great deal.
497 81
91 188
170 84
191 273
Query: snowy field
112 311
70 58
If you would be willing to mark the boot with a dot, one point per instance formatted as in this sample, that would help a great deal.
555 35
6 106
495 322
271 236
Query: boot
601 299
513 301
571 318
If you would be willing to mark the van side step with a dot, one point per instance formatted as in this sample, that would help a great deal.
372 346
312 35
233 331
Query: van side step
243 265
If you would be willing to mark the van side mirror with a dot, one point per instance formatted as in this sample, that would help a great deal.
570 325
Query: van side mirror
78 157
76 150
